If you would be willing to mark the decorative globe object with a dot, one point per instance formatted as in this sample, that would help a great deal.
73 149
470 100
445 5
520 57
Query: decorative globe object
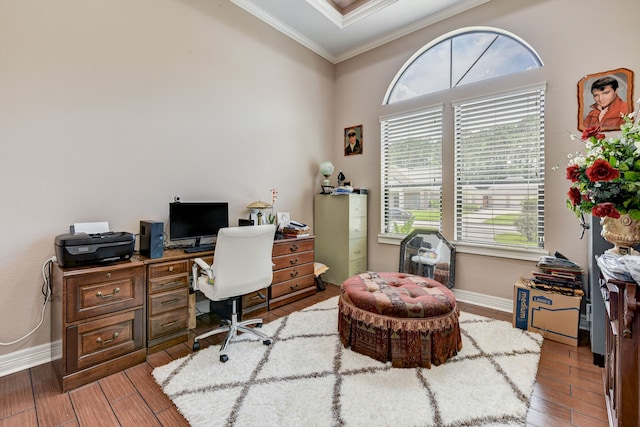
326 169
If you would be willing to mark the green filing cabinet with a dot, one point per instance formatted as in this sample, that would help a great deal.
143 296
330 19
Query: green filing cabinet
340 229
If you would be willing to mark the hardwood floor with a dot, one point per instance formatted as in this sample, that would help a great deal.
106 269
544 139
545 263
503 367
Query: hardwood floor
568 389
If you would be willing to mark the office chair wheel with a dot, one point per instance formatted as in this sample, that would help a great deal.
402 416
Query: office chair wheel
224 358
266 342
196 346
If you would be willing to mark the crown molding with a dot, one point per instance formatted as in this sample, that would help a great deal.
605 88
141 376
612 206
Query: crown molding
357 14
248 6
343 21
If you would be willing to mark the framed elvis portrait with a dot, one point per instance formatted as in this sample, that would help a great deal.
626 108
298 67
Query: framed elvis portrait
603 98
353 140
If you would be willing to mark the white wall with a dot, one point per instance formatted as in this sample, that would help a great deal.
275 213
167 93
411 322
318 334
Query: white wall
110 108
574 38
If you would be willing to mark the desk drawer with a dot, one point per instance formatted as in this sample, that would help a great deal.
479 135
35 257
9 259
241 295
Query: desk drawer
168 283
254 298
168 269
93 294
291 286
167 301
166 323
292 273
96 341
292 246
292 260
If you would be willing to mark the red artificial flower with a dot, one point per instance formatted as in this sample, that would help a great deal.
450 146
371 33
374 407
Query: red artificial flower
574 196
573 173
601 170
592 131
605 209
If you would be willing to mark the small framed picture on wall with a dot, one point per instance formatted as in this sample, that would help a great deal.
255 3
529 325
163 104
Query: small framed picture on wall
603 98
353 140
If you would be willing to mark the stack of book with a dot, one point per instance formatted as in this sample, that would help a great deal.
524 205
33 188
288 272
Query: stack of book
558 275
296 230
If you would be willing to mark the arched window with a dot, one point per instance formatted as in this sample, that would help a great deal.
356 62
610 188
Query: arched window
494 147
459 58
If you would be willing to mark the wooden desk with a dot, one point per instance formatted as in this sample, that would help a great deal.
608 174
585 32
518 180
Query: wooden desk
109 317
168 283
97 313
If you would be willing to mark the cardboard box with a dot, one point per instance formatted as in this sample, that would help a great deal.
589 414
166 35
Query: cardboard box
554 316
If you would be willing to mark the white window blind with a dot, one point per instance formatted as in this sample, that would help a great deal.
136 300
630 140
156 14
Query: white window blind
411 170
499 159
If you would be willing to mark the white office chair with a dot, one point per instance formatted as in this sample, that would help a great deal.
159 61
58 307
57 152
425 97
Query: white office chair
427 259
242 264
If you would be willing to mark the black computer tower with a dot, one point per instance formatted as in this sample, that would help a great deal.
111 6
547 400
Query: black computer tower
151 238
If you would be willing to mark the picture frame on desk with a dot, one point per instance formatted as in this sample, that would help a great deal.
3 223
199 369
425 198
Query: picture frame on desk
283 219
327 189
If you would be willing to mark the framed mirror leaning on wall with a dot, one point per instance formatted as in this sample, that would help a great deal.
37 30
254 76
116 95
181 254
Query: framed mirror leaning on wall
428 253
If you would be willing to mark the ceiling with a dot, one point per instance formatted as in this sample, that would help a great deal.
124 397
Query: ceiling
341 29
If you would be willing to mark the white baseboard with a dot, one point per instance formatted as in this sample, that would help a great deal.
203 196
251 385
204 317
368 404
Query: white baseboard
28 358
496 303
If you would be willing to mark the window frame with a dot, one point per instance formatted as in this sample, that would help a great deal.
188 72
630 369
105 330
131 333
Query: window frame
401 121
513 81
520 97
449 36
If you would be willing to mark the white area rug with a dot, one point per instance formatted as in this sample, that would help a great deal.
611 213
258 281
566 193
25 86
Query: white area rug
306 378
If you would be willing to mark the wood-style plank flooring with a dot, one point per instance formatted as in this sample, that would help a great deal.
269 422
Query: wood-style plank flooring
568 389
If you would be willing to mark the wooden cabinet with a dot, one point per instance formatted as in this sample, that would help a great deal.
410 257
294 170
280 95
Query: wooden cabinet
293 276
621 376
167 301
98 316
340 228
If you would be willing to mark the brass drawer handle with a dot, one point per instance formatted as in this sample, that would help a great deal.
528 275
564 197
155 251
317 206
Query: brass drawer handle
174 283
171 301
105 342
294 247
171 268
294 273
293 288
294 260
167 325
100 295
108 275
259 295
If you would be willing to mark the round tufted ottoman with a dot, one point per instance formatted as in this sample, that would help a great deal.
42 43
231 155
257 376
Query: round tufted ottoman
406 319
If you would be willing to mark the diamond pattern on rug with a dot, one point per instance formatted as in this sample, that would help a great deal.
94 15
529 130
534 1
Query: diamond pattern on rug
306 378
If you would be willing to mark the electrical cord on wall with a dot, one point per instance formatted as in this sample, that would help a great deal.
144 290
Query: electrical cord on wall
46 292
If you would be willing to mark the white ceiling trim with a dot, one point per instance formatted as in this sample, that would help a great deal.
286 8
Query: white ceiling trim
376 6
430 20
283 28
355 15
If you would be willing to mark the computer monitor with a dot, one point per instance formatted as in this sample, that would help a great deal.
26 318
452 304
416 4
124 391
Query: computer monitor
197 220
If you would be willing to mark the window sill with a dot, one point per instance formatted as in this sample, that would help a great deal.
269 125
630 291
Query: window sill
533 254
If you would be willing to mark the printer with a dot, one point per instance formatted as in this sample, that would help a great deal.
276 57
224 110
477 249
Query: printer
80 249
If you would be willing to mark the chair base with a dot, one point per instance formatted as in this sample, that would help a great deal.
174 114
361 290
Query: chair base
232 328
